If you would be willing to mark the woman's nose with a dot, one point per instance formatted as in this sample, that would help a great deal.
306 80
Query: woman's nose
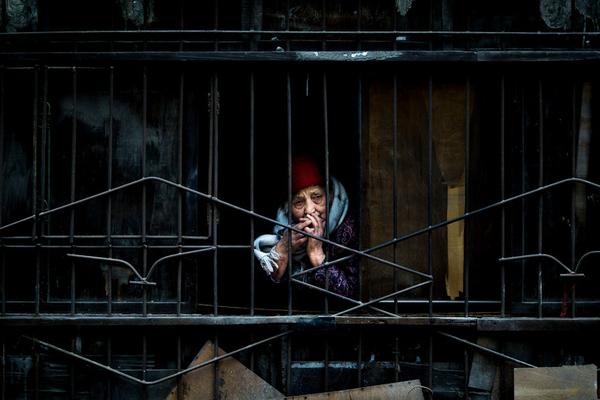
310 207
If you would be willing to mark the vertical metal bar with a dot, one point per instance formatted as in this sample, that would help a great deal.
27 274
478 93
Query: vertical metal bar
430 186
179 363
359 122
36 377
430 360
3 386
179 193
252 122
44 169
216 23
289 156
145 363
395 207
287 23
111 97
73 182
573 191
359 23
466 226
502 194
523 185
327 186
36 209
144 213
430 215
216 192
395 180
3 277
109 363
324 23
359 358
541 199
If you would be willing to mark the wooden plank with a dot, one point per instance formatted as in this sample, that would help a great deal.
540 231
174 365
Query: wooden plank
408 390
577 382
235 381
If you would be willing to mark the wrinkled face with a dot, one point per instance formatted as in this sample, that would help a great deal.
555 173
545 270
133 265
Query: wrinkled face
310 200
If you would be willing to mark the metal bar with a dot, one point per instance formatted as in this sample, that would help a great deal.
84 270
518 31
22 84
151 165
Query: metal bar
387 296
158 34
73 182
180 179
252 133
573 192
36 209
327 186
144 194
215 218
523 176
539 255
466 227
359 123
395 180
160 380
111 99
289 192
486 350
395 202
339 296
541 199
492 57
503 192
2 251
430 187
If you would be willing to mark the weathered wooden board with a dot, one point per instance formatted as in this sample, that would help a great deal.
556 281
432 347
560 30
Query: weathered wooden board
234 380
577 382
412 182
483 369
409 390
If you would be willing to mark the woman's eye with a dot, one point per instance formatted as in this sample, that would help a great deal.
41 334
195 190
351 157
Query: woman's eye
298 204
317 198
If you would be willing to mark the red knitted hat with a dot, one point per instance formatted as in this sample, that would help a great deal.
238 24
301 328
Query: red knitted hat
305 173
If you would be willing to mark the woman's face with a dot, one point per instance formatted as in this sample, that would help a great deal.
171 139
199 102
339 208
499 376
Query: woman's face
310 200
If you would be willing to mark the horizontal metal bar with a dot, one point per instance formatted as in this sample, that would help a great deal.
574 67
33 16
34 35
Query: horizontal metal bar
479 324
411 56
486 350
179 34
160 380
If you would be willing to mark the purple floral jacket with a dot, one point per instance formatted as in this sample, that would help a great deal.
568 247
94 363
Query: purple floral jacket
342 276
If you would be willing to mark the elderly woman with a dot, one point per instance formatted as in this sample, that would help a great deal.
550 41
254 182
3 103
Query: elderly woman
309 214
